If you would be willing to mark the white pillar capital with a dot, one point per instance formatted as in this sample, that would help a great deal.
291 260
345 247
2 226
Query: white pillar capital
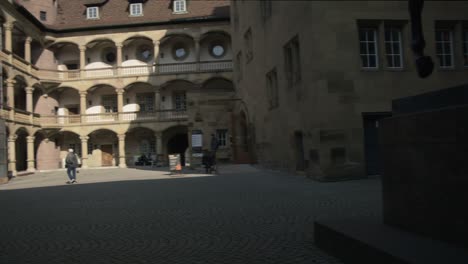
82 48
84 138
12 138
29 90
30 139
28 40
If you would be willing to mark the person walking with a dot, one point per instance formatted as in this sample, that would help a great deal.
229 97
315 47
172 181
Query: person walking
71 162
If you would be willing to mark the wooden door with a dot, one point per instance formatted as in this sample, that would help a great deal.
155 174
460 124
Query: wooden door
106 155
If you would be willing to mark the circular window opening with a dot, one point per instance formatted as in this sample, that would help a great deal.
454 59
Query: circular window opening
217 50
109 55
145 53
180 52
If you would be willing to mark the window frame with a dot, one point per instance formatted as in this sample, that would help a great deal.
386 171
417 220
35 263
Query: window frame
292 61
465 46
89 12
451 47
112 107
180 104
179 7
248 42
43 15
272 89
146 100
222 136
131 9
390 42
366 42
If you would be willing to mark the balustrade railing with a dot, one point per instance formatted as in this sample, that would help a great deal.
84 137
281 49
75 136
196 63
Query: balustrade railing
22 116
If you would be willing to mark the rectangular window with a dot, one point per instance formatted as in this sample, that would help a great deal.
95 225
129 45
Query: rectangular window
444 47
109 102
136 9
248 45
272 88
393 46
180 101
146 102
465 47
90 147
292 62
368 48
43 15
92 12
152 146
180 6
221 134
76 149
265 6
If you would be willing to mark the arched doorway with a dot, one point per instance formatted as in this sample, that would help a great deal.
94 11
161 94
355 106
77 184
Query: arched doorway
103 148
178 144
21 150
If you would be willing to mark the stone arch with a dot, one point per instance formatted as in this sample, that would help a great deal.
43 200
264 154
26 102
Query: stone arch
98 39
175 35
175 81
138 35
175 140
218 84
111 129
105 148
215 32
140 140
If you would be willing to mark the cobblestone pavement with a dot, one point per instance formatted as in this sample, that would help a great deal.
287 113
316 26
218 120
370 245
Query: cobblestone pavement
243 215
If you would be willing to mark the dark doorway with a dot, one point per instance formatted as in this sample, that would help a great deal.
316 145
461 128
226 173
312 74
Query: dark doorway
371 141
21 151
177 145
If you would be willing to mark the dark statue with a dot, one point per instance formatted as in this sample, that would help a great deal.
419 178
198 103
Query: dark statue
424 64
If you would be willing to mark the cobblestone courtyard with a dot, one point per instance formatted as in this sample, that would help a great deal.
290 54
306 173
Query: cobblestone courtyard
243 215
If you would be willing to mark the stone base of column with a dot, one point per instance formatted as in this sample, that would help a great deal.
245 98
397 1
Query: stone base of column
31 166
122 163
3 180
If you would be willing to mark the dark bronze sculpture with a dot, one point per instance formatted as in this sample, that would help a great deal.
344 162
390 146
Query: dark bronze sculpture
424 64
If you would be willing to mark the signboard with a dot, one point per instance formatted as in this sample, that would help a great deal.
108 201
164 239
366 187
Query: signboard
197 141
174 162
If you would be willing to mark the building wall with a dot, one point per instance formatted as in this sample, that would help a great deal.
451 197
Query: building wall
328 102
36 6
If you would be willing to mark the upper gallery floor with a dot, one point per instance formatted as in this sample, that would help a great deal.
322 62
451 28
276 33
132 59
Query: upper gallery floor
114 52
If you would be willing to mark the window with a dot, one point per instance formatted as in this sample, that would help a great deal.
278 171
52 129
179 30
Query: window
180 6
248 45
265 6
145 53
90 147
43 15
272 89
180 101
465 47
146 102
92 12
136 9
217 49
180 51
109 102
444 47
292 60
393 47
221 134
239 65
76 149
368 47
152 146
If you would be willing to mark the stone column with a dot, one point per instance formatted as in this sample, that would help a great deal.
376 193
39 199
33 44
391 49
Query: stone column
30 154
27 49
82 57
157 99
119 46
159 152
12 154
84 151
120 101
11 93
122 162
29 99
156 51
83 106
8 38
197 52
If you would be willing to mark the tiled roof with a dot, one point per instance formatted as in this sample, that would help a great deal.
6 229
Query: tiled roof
72 13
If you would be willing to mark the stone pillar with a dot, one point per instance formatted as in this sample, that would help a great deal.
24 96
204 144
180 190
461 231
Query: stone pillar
120 101
27 49
197 52
29 99
30 154
8 27
11 93
156 51
83 106
122 162
159 152
84 151
157 99
82 57
12 154
119 46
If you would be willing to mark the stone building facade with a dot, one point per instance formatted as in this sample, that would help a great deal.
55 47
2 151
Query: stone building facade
315 77
115 80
